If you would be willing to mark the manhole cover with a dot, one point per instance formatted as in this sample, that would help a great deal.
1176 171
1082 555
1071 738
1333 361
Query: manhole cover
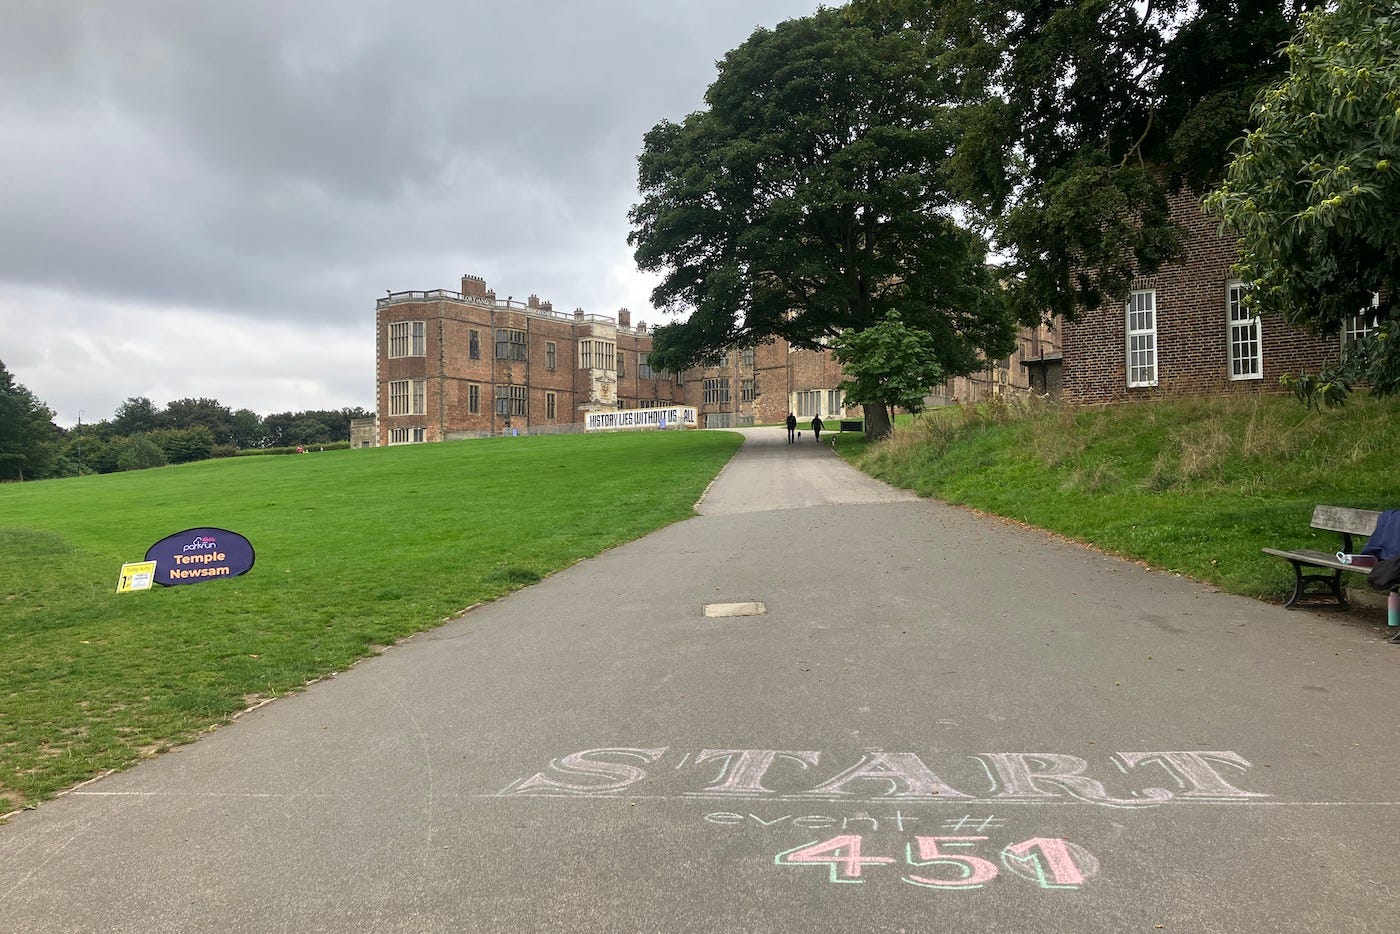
735 609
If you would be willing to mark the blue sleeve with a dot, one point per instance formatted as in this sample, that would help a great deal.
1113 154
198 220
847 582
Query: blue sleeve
1385 540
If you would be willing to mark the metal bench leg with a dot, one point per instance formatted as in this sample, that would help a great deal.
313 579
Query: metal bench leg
1297 594
1337 590
1301 581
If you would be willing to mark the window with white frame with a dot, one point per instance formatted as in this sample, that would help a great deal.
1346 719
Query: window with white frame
407 435
746 357
511 344
551 355
406 339
809 403
512 400
834 402
550 406
644 366
1246 343
1361 325
406 397
716 391
1141 311
473 399
748 390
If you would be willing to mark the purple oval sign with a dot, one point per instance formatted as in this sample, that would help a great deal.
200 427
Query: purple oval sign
198 555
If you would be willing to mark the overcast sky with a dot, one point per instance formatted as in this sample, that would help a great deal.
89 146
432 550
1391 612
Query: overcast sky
203 198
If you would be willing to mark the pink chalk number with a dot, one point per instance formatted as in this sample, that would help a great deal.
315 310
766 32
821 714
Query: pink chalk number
974 872
944 863
1049 861
841 854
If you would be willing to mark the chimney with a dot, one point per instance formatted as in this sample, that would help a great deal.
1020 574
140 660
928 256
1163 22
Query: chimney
641 327
624 318
546 306
475 286
578 314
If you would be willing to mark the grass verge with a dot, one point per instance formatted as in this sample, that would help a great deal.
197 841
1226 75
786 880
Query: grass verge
355 550
1195 486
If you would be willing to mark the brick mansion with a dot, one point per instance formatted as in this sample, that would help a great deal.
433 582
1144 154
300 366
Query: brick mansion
453 365
468 364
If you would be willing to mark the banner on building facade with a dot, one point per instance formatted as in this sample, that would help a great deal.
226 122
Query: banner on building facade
671 416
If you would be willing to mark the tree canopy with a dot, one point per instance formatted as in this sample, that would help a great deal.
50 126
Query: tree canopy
1081 116
810 197
28 437
888 365
1314 190
135 415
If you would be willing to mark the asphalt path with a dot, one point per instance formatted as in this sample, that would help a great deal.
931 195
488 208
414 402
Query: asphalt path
926 720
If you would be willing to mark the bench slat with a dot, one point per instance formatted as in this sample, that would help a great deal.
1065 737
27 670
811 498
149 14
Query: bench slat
1320 559
1342 519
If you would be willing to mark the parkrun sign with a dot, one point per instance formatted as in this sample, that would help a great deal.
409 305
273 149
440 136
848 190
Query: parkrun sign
198 555
676 416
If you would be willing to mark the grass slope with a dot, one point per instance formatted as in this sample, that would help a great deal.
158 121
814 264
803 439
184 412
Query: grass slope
1196 486
355 549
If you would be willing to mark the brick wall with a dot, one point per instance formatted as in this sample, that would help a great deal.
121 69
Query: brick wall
1009 376
1192 329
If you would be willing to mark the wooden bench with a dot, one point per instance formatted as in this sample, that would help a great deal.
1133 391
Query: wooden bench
1346 522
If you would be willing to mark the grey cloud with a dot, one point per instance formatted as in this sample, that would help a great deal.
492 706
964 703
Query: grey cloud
287 162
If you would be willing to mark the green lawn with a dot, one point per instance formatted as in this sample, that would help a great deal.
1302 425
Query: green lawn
355 549
1196 486
359 548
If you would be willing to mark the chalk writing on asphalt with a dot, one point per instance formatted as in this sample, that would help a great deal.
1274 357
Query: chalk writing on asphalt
1116 780
901 817
948 862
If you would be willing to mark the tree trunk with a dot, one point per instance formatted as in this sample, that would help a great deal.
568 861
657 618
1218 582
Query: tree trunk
877 422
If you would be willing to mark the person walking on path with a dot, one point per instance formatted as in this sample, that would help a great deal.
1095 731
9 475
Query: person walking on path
792 428
817 426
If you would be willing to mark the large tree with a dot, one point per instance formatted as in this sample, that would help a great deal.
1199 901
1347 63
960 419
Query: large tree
245 427
135 416
28 436
1314 189
1084 115
809 197
196 413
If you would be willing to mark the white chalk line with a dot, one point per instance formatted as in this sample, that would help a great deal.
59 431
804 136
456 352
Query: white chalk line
937 799
770 799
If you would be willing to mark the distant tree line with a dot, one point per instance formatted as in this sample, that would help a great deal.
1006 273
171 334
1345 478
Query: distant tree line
142 434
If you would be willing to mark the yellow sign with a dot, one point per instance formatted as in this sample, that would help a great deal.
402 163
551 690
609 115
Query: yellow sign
136 576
